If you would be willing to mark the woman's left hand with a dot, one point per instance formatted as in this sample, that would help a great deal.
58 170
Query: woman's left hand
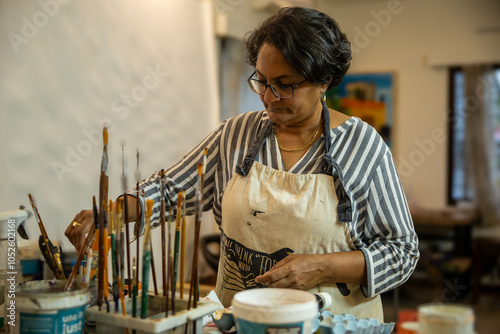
296 271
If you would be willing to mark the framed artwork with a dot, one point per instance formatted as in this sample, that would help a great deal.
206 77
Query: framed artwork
368 96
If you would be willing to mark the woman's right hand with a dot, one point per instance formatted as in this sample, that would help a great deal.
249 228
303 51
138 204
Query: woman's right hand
79 228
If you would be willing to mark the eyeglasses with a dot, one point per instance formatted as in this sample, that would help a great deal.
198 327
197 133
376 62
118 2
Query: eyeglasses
279 90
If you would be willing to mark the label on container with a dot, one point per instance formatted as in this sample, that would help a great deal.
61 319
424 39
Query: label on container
283 330
68 321
248 327
37 323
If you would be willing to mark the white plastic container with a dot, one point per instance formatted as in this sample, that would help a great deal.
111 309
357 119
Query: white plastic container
267 310
445 319
43 307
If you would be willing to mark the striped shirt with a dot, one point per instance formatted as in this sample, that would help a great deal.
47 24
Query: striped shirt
381 225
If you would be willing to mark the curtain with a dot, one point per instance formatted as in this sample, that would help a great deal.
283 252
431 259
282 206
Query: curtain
480 150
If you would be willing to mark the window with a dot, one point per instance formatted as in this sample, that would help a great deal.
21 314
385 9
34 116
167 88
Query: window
459 187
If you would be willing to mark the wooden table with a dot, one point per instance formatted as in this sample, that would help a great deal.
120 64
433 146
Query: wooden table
451 223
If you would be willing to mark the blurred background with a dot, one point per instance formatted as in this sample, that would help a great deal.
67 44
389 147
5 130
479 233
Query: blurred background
163 74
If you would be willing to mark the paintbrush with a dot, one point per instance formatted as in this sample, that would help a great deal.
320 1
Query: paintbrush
114 260
201 186
194 288
106 269
153 269
125 212
163 236
82 252
204 161
134 288
183 243
170 285
88 267
134 291
147 259
193 291
120 236
164 242
177 238
103 200
137 217
119 260
152 259
50 252
95 246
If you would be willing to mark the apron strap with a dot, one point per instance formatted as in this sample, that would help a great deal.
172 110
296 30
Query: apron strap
327 160
326 126
329 167
247 163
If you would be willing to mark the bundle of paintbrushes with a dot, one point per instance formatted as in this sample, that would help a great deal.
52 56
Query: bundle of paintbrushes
112 236
51 253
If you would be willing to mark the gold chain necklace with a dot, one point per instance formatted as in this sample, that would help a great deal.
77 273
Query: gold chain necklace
297 149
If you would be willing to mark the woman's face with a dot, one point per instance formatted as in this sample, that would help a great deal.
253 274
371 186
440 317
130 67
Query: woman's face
305 105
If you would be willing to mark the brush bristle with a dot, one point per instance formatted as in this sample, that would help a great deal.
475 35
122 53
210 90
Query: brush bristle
149 206
179 199
105 135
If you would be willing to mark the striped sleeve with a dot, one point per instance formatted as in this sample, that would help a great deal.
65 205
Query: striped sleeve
391 250
183 175
381 225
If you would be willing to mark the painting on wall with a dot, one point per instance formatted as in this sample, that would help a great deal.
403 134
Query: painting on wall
368 96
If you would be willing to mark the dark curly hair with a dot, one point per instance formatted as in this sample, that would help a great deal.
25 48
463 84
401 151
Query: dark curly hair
310 41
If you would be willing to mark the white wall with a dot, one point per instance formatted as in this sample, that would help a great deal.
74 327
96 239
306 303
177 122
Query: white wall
415 40
66 67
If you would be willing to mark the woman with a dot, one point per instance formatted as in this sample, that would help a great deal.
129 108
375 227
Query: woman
305 196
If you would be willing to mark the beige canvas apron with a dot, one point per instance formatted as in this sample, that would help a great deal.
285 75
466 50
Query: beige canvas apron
268 214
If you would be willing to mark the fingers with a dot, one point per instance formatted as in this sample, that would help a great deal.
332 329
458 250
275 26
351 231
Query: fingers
69 229
273 279
277 272
283 262
290 272
79 227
